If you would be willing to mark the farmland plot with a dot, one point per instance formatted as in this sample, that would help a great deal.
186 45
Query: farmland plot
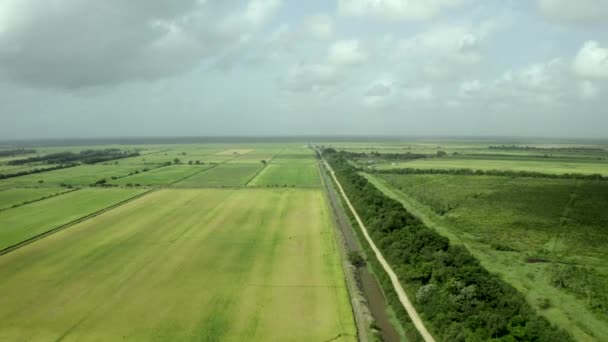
163 175
296 174
22 223
224 175
254 265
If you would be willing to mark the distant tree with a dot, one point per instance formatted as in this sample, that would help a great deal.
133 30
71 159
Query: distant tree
198 162
41 181
189 162
263 162
441 154
176 161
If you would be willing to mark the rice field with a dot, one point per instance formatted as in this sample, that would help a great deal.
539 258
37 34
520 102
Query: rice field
235 265
24 222
162 176
226 174
295 174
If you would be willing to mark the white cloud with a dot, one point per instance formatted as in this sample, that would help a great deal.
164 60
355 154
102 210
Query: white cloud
311 78
347 52
420 93
258 11
592 61
470 88
416 10
575 11
320 26
588 90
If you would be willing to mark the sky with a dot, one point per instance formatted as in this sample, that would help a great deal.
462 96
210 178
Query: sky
116 68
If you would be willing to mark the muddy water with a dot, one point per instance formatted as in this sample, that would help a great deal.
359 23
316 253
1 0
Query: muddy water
367 283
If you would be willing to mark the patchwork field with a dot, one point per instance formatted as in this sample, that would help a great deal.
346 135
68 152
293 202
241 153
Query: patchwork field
162 176
547 237
246 264
296 174
21 223
224 175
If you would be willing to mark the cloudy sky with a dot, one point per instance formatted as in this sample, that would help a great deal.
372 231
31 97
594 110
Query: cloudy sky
87 68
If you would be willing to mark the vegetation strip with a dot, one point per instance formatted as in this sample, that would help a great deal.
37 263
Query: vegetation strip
69 224
504 173
426 335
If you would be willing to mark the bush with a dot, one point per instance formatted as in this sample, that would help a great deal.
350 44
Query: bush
356 259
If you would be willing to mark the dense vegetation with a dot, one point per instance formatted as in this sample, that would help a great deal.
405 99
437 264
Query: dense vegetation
16 152
505 173
35 170
545 149
456 295
86 157
386 156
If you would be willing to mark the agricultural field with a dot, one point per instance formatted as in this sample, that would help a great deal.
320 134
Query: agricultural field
236 264
24 222
223 175
547 237
288 174
162 176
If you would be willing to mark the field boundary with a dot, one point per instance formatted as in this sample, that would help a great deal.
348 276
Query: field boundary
403 298
71 223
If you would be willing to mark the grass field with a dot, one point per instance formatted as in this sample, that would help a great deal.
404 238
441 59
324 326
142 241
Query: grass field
506 222
224 175
296 174
15 196
554 166
207 265
162 176
22 223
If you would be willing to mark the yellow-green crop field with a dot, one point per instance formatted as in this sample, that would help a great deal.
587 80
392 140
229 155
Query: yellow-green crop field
196 264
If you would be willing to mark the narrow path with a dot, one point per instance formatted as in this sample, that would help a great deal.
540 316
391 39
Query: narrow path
403 298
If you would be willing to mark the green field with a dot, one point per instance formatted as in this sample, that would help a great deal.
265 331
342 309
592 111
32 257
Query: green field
22 223
209 265
16 196
294 174
530 230
224 175
162 176
549 165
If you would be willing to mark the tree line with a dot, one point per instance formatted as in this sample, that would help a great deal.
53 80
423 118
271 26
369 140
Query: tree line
86 157
545 149
36 170
460 299
16 152
504 173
